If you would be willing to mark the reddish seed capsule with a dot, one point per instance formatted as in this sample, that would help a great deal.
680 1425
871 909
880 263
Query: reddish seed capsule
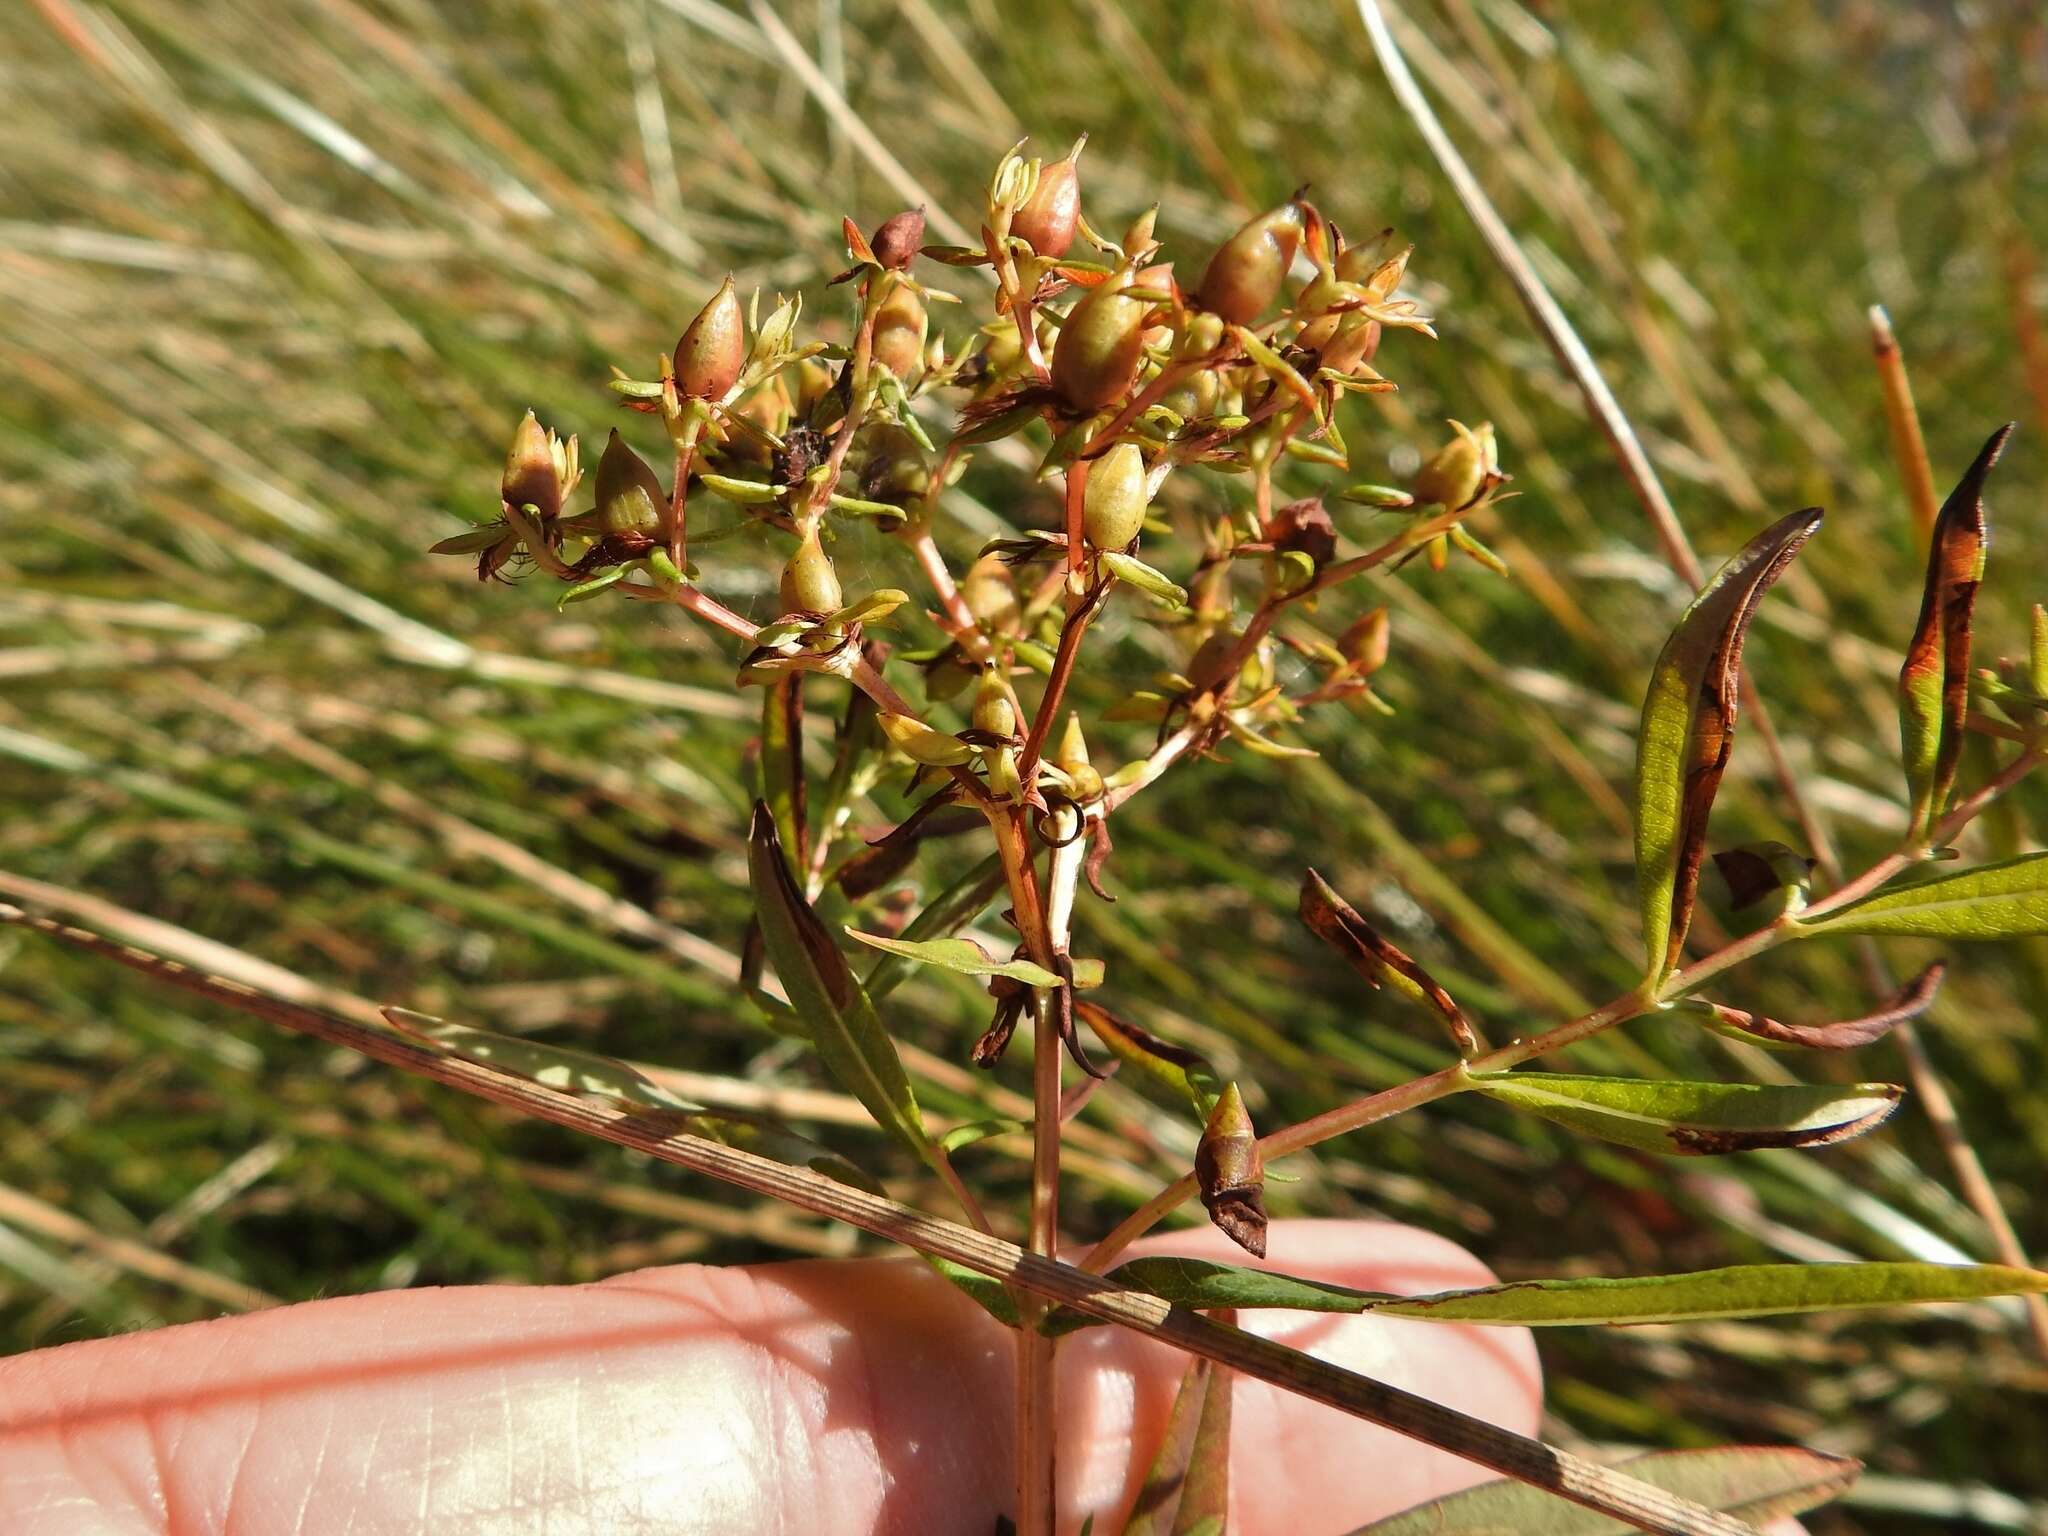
714 348
1100 345
629 499
898 240
1245 274
1366 642
1051 214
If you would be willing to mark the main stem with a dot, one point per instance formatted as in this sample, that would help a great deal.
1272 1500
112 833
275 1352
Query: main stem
1036 1440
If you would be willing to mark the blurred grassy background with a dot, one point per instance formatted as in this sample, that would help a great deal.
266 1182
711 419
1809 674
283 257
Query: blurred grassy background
278 281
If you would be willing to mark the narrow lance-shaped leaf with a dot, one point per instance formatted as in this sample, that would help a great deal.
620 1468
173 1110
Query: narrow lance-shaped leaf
2007 900
1230 1175
1187 1490
1688 729
953 908
1173 1067
1903 1006
1757 1483
823 991
961 955
1693 1119
1746 1290
782 761
1934 682
1337 923
573 1071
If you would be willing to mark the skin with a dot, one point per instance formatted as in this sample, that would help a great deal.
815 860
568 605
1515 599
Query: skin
831 1397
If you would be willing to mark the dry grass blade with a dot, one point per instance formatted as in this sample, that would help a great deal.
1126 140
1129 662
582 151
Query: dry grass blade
1516 1456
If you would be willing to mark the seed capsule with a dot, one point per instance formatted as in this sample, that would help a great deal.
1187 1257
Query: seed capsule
809 584
532 471
1245 274
629 499
900 326
993 711
1084 782
990 592
714 348
1100 345
897 241
1231 1174
1462 471
1116 497
1053 211
1365 643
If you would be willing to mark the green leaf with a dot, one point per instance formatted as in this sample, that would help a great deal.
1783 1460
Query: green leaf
552 1066
1148 581
1187 1489
979 1131
1757 1483
1180 1071
956 906
992 1296
1991 901
572 1071
1746 1290
1934 682
782 768
1693 1119
1688 728
962 955
831 1003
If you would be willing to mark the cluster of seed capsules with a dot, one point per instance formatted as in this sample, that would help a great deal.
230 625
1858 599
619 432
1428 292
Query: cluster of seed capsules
1101 375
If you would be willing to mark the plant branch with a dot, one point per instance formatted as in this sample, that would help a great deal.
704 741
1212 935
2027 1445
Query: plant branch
1531 1461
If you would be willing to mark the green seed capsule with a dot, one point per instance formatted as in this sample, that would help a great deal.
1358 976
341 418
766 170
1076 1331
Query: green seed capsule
900 326
709 357
993 711
809 584
990 592
531 478
1462 470
1100 345
1245 274
1048 219
1084 783
1116 497
629 499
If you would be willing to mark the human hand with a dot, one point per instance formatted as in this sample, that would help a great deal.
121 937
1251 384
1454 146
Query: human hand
860 1397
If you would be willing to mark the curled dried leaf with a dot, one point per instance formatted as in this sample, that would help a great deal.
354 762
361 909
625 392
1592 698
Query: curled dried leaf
1688 731
1337 923
1903 1006
1934 682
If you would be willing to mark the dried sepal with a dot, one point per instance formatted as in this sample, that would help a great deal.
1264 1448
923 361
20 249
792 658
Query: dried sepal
1337 923
1934 682
1231 1175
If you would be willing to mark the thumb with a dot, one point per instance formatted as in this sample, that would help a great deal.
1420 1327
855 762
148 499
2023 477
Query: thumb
858 1397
